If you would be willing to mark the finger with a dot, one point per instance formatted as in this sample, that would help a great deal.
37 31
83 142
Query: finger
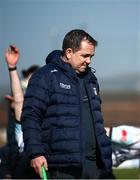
40 172
9 97
7 51
36 169
13 48
46 165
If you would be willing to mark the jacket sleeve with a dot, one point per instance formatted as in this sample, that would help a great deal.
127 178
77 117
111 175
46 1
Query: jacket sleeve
34 108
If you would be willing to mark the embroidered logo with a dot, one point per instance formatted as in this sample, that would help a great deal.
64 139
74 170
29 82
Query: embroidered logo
54 70
65 86
95 91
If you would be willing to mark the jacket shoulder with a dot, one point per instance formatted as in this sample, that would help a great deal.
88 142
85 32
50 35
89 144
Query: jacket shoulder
44 71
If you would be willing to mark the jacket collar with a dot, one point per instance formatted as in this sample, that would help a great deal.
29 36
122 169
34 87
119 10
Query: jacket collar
55 57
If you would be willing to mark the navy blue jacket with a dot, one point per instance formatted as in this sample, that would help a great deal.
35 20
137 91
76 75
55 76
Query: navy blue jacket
51 117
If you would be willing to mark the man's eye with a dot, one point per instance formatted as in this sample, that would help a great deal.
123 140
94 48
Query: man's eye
85 56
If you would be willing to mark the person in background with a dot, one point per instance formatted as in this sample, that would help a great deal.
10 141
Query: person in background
61 119
18 86
16 161
125 143
26 74
10 150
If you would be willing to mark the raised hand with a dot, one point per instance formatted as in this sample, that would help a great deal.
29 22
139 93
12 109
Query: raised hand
12 56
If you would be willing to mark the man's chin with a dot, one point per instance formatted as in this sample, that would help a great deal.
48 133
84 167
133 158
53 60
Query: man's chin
83 70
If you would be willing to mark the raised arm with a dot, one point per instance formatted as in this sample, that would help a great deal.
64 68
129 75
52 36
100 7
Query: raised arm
12 56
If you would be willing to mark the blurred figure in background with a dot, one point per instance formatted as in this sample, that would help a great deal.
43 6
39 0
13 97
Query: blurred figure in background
26 74
13 159
10 151
125 143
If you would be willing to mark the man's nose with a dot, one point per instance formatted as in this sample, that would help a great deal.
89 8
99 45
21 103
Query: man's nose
88 60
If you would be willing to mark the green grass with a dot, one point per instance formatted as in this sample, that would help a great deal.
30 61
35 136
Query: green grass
126 173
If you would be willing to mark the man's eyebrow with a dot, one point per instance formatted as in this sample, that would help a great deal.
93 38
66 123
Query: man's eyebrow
88 55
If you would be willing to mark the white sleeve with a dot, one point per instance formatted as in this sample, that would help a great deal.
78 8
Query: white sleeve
19 136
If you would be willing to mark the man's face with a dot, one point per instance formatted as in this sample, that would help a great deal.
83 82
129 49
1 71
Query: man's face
80 59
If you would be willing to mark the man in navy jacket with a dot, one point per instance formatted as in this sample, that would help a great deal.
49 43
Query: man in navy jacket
61 120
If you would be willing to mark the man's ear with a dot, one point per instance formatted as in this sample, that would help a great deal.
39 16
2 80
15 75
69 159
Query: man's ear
68 53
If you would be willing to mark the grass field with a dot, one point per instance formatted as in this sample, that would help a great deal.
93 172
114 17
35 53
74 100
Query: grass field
127 173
